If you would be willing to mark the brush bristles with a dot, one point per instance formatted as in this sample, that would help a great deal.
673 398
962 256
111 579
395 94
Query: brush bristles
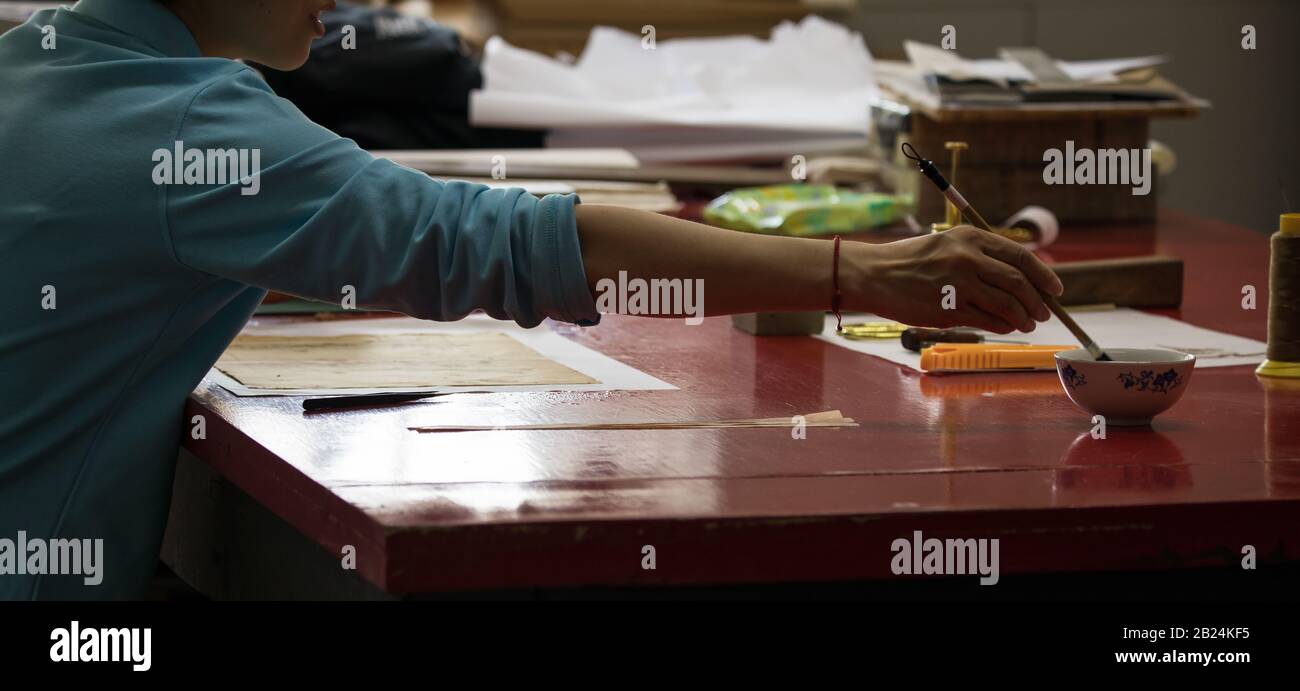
1096 352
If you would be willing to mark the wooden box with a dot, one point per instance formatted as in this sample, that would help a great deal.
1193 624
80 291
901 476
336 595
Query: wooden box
1002 171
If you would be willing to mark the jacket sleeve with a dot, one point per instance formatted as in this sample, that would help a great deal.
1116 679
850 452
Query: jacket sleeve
322 216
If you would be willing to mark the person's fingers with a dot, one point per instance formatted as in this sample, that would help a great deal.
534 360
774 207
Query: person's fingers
1004 306
1016 255
1006 278
980 318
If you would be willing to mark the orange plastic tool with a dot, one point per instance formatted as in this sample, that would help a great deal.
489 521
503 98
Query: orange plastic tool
945 358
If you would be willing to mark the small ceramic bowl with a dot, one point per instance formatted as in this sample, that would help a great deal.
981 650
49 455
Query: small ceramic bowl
1137 385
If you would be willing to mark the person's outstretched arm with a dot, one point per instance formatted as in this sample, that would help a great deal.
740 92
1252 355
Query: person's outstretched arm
993 278
331 218
324 220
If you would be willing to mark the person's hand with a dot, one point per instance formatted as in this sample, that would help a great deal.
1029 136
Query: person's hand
961 277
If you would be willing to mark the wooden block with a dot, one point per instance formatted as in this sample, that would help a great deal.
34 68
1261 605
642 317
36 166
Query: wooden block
780 323
1144 282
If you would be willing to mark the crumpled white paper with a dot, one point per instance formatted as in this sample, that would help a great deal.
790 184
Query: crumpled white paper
813 77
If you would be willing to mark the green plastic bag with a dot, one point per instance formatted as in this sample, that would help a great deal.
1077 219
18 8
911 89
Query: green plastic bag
804 210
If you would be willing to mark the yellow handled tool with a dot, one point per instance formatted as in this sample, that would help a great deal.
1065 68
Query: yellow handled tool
946 358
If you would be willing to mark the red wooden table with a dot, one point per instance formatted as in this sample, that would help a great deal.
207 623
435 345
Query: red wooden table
998 457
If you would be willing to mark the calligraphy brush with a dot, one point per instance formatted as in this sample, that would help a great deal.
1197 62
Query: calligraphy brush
930 171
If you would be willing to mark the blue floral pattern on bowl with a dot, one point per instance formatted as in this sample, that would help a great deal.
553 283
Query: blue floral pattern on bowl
1148 380
1072 377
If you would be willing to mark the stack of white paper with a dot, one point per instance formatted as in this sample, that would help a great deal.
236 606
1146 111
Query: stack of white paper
908 78
805 90
929 59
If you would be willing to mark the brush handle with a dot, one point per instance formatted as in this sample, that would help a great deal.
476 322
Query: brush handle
1090 345
950 192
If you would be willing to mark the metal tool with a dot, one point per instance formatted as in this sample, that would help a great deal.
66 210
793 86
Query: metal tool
873 330
930 171
916 338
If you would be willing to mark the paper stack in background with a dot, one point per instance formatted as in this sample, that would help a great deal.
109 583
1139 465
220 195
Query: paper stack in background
805 90
563 26
934 76
655 197
547 171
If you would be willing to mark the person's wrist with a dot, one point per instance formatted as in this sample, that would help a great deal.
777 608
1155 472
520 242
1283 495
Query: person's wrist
856 261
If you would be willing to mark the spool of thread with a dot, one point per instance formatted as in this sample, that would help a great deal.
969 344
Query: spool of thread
1284 301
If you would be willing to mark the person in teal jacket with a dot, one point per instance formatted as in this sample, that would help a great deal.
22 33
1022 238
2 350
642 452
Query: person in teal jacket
153 188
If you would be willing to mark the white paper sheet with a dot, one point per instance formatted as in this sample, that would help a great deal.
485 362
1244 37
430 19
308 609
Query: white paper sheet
1120 328
611 374
487 159
928 59
1105 70
814 76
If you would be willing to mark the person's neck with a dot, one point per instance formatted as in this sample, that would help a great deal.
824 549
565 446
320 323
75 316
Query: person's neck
195 17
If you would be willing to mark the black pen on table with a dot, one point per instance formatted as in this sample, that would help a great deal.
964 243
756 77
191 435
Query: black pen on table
366 400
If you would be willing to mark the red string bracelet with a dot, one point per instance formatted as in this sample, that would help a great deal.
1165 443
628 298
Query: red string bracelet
836 296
